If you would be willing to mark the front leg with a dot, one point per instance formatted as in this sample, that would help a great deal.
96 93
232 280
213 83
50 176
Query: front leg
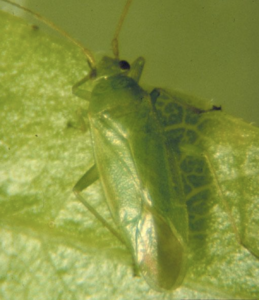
82 93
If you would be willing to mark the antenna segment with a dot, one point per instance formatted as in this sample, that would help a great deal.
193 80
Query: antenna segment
88 54
115 43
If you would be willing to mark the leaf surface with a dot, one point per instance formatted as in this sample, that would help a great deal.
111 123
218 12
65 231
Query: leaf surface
51 247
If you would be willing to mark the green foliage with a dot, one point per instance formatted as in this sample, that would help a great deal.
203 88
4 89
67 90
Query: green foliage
51 246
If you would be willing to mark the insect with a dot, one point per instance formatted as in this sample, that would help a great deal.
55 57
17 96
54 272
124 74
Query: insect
149 164
131 161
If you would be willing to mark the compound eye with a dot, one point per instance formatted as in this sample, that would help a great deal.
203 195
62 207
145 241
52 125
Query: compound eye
124 65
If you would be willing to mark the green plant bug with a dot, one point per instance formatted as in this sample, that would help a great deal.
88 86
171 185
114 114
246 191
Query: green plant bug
131 161
156 164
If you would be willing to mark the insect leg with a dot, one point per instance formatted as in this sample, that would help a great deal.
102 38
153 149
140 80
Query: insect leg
82 93
86 180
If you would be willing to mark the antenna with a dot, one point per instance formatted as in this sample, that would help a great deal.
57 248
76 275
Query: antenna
88 54
115 43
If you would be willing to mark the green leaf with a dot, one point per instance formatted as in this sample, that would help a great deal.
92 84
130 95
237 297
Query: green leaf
51 246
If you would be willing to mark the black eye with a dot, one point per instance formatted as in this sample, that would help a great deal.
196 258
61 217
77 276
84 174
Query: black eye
124 65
